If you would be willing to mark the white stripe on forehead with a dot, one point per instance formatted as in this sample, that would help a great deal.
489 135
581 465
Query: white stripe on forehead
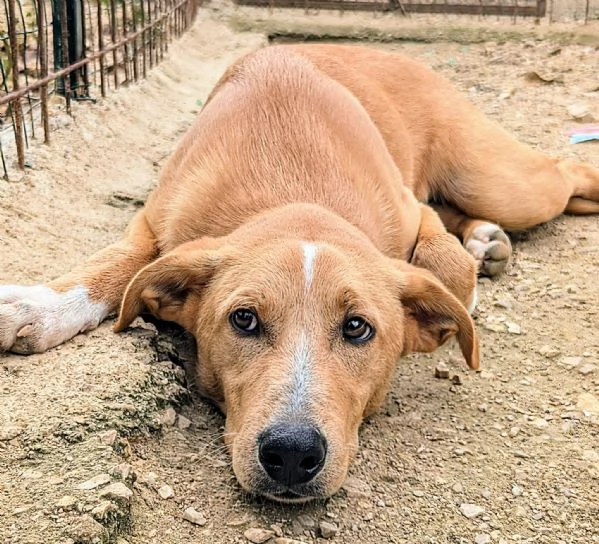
301 376
309 256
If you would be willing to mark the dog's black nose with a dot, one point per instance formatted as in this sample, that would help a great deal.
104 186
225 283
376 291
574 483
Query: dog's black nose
292 453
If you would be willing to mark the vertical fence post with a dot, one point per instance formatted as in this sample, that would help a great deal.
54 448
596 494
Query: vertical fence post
17 108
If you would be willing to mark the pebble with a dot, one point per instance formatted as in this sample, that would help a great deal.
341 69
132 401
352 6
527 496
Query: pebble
356 488
109 437
257 536
193 516
549 351
66 502
103 510
306 521
587 402
471 511
457 488
287 541
539 423
328 530
513 432
571 361
169 417
482 538
587 369
513 328
9 432
166 492
183 423
442 371
418 493
456 379
118 491
517 490
94 482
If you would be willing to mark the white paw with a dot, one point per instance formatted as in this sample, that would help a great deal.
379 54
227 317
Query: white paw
36 318
491 247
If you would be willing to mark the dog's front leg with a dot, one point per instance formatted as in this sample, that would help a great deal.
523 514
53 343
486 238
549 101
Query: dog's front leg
36 318
442 253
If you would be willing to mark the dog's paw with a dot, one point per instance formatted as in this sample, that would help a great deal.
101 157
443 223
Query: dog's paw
35 319
491 247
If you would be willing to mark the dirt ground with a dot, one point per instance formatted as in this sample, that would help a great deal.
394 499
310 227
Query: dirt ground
510 455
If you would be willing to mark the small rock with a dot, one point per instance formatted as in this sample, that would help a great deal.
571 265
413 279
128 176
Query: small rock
457 488
418 493
193 516
94 482
513 328
103 510
66 502
183 423
118 492
587 402
283 540
257 536
87 529
471 511
483 407
549 351
587 369
571 361
482 538
486 494
306 521
328 530
356 488
581 112
124 471
513 432
456 379
517 490
109 437
442 371
166 492
539 423
9 432
169 417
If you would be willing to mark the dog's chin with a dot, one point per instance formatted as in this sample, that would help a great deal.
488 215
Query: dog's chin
290 495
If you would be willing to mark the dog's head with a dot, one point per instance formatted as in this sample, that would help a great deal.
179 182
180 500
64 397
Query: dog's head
297 342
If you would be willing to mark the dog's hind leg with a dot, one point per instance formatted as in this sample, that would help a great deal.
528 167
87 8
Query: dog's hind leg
442 253
585 180
485 241
36 318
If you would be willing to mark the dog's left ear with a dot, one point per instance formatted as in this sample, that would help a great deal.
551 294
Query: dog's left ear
433 315
166 285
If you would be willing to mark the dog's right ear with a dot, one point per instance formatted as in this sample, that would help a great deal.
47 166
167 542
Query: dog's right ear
165 285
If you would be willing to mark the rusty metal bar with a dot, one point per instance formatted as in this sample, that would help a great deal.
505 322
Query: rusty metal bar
135 41
126 59
535 10
18 112
101 48
143 39
43 58
75 66
115 62
64 36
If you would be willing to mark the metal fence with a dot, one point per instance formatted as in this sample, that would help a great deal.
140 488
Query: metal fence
78 49
513 8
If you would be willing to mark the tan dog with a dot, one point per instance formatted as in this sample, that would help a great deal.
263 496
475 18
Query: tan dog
285 235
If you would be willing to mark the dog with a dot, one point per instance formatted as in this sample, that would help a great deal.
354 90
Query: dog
327 213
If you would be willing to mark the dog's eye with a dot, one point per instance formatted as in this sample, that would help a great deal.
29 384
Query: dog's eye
245 321
357 330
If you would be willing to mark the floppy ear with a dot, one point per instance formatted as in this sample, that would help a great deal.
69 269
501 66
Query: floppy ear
433 315
164 286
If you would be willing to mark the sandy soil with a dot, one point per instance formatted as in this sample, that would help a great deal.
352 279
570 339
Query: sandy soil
519 440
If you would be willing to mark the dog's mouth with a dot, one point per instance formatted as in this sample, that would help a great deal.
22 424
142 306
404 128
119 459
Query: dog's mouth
291 496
